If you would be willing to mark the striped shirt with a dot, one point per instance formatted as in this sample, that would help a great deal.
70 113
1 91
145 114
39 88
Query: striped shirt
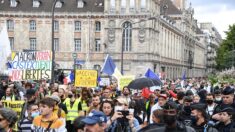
25 125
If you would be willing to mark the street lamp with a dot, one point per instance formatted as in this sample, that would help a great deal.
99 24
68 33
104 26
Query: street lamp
52 41
129 26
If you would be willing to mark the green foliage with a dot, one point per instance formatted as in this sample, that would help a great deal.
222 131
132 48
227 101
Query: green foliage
225 53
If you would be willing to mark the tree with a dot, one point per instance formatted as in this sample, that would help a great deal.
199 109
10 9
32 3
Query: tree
226 52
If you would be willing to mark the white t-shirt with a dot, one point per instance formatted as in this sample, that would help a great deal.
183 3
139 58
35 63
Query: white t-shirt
210 109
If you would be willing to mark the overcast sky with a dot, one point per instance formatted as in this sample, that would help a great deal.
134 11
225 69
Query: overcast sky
220 12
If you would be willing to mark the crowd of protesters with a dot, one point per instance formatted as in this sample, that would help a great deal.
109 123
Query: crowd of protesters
193 106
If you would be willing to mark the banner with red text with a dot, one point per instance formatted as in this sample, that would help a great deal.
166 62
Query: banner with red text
33 65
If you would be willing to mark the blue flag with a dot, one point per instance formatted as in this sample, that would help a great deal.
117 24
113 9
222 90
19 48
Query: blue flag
152 75
110 68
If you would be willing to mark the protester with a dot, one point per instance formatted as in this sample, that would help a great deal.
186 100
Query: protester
95 122
210 104
25 124
9 95
200 118
8 118
78 124
95 104
184 114
57 110
149 104
162 99
123 118
30 98
158 121
126 93
48 120
73 110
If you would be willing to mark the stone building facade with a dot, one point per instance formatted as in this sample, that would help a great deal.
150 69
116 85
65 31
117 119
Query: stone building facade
152 33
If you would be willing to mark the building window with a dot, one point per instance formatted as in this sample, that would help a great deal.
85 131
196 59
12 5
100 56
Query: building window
127 36
32 25
13 3
123 6
36 3
56 44
112 6
97 45
80 4
77 25
132 5
10 25
97 26
143 5
56 25
11 39
33 43
77 45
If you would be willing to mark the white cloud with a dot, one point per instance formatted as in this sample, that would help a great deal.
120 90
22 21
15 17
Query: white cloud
220 15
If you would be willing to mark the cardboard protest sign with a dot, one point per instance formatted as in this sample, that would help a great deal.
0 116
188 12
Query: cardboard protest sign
86 78
125 80
14 105
33 65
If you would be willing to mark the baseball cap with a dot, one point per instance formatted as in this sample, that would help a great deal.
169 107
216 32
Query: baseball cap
95 117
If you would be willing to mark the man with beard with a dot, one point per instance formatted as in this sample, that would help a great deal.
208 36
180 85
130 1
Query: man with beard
30 98
95 104
126 94
199 118
184 114
170 121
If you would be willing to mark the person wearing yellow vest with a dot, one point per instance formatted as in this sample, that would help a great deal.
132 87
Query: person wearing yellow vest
9 95
73 110
84 101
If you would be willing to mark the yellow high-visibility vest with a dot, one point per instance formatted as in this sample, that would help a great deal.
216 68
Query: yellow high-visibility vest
72 111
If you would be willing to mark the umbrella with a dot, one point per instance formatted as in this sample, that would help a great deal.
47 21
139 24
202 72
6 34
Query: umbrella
141 83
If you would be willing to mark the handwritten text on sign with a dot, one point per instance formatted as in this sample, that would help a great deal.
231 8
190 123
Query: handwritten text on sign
86 78
34 65
14 105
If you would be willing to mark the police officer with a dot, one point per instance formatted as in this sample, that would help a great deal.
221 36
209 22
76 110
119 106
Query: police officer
227 99
226 124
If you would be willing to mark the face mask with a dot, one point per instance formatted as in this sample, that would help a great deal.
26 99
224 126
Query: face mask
187 109
209 102
218 99
193 119
70 95
169 119
35 114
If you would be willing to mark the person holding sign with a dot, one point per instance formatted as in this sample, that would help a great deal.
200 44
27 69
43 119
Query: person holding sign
9 95
8 119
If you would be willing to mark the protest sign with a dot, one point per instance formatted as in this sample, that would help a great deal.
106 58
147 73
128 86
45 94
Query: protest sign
14 105
33 65
125 80
86 78
104 81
